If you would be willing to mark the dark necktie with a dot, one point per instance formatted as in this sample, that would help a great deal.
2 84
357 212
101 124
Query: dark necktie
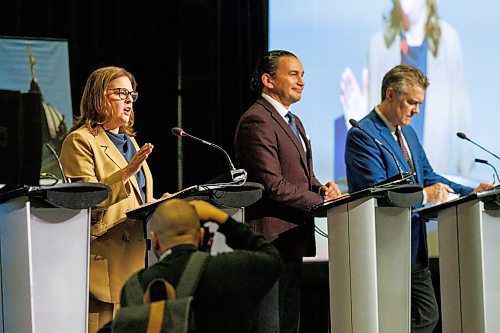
293 125
401 143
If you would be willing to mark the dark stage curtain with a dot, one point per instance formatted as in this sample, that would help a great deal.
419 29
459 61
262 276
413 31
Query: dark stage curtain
192 60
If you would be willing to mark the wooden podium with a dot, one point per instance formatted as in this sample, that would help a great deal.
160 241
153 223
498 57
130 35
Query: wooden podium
44 253
369 250
469 264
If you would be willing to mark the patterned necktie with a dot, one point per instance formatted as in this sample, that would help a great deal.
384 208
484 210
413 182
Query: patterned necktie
401 143
293 125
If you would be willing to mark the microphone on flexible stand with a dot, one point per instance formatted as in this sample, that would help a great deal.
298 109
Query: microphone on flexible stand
402 176
65 180
237 175
464 137
478 160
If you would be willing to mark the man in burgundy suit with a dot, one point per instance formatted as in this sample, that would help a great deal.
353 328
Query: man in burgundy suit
272 145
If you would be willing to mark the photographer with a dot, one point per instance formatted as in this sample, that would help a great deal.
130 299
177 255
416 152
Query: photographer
232 283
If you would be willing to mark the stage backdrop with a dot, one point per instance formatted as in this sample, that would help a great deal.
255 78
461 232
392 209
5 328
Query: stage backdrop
23 60
338 39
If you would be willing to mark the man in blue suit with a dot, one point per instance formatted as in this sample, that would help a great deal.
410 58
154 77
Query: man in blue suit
367 163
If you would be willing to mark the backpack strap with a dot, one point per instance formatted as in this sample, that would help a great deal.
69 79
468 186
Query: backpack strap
160 285
192 273
156 315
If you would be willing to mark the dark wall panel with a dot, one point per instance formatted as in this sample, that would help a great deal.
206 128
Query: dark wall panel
214 43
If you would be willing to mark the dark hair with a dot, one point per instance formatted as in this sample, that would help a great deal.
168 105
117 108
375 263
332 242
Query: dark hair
400 77
267 64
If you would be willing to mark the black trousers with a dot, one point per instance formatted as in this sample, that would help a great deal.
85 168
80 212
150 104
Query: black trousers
279 311
289 296
424 308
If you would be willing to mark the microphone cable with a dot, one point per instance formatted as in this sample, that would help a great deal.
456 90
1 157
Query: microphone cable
320 232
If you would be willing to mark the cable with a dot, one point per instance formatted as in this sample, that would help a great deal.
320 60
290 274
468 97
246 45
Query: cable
320 232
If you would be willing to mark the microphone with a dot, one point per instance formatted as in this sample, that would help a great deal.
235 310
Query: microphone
237 175
402 174
464 137
65 180
478 160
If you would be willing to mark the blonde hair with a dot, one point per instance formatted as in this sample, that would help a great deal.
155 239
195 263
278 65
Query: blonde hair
432 27
95 108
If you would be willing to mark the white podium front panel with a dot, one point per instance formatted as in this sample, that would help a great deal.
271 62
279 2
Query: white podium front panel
469 246
44 255
369 266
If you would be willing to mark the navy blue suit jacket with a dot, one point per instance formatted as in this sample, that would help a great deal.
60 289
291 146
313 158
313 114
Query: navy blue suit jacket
368 164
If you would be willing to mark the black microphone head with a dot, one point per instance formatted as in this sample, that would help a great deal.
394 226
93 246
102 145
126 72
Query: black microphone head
178 131
478 160
462 136
354 123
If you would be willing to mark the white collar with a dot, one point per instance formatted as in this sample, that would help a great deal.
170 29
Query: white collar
165 254
282 110
391 127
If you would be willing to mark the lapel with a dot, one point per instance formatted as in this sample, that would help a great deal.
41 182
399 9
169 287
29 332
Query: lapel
388 139
278 119
110 150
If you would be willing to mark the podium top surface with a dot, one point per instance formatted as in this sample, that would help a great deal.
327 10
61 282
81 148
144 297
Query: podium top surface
491 195
406 195
78 195
220 195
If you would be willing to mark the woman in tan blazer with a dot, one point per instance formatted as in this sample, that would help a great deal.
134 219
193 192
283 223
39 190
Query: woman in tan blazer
101 148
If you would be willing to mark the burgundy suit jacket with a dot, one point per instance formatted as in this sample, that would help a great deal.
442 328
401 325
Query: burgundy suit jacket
267 148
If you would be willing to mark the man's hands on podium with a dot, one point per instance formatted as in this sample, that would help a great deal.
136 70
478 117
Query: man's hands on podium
330 191
437 193
483 187
440 192
208 212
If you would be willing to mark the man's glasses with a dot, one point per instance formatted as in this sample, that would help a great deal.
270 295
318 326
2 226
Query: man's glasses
124 93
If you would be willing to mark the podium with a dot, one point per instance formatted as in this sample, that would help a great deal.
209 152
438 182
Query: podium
44 253
369 248
231 198
469 267
223 196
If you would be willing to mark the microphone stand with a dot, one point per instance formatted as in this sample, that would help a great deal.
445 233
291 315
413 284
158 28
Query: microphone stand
402 176
52 150
478 160
464 137
237 176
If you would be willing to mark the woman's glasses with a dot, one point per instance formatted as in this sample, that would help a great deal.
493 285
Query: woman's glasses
124 93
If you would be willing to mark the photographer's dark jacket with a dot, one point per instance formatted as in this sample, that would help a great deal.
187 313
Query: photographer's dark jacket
232 284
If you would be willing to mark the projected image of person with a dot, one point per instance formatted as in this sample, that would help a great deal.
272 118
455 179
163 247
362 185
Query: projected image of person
416 36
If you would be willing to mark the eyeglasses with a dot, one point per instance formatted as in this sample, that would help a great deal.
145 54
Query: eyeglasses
124 93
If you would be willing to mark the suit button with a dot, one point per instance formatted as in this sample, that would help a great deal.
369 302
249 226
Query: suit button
125 238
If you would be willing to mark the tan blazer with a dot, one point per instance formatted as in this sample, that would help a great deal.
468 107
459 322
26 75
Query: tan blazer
118 246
